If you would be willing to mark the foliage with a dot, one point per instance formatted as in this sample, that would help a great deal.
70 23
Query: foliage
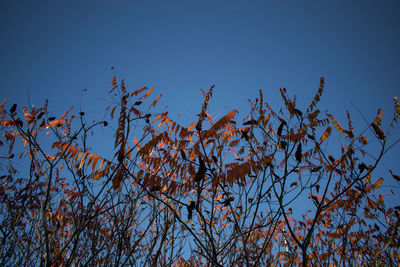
275 189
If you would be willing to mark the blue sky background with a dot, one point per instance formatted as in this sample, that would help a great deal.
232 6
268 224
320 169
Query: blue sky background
55 49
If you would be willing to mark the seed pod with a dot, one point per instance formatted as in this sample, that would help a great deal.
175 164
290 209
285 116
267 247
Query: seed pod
201 172
298 153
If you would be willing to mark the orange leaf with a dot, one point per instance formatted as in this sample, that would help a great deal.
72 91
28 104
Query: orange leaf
91 156
112 112
65 114
56 144
56 123
378 117
101 164
335 123
2 104
96 158
74 150
65 146
138 91
326 134
98 175
378 183
136 142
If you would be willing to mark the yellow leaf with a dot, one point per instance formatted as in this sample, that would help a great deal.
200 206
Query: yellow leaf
83 159
368 179
101 164
378 117
266 120
78 156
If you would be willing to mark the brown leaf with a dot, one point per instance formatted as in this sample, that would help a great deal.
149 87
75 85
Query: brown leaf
250 122
117 179
378 131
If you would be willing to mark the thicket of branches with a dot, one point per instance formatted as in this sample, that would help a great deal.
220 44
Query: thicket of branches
264 189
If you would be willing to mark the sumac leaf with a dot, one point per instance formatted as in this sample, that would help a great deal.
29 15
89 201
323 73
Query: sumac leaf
250 122
378 131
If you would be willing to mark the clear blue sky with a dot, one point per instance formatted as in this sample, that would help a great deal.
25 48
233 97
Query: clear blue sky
54 49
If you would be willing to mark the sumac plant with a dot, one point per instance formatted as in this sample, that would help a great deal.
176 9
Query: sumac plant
294 187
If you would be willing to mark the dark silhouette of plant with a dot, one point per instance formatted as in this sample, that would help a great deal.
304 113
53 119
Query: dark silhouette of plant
271 190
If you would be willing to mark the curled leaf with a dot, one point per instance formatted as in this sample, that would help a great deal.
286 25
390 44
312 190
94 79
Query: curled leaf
250 122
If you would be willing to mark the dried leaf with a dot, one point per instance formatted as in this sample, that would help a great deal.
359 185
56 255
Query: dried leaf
378 131
326 134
